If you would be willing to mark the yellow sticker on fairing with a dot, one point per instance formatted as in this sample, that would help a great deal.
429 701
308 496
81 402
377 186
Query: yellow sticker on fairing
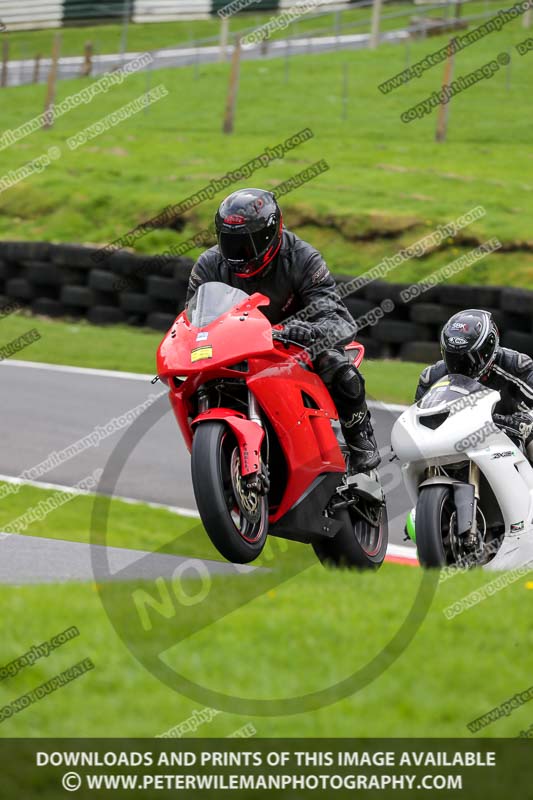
199 353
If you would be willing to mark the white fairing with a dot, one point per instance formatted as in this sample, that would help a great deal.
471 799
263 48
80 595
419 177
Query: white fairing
469 434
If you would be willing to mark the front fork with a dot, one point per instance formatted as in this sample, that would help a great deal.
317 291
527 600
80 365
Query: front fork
466 498
253 409
253 406
258 481
473 479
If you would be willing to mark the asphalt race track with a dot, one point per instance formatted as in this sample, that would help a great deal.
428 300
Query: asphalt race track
33 559
47 408
22 72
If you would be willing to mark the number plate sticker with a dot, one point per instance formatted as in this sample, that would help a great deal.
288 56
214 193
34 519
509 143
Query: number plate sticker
199 353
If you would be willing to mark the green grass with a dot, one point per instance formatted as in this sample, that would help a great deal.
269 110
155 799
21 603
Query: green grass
388 183
135 526
107 38
302 628
81 344
120 347
310 631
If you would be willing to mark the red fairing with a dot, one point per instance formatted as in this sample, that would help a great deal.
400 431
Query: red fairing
239 333
290 395
249 435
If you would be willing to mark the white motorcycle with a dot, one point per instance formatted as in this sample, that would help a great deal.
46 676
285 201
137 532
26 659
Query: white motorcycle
471 483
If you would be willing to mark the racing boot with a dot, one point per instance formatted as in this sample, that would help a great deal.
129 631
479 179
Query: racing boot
359 435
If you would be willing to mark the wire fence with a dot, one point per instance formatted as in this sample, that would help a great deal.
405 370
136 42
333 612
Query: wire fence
331 26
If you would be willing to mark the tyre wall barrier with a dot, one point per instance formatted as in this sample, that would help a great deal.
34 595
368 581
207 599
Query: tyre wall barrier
69 280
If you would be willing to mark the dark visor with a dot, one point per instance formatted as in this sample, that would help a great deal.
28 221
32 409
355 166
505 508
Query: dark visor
237 247
469 364
243 247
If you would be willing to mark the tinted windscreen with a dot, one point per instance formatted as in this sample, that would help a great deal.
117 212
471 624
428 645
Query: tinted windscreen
449 389
211 301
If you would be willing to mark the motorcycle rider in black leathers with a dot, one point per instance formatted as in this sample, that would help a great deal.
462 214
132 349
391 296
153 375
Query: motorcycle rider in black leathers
255 253
470 345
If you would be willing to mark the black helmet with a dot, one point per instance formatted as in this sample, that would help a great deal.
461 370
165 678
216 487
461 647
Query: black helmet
469 342
249 225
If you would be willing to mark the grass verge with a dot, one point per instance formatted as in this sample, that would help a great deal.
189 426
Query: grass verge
108 38
120 347
389 183
306 633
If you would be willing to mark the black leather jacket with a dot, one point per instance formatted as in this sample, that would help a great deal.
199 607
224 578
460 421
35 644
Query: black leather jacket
297 279
511 374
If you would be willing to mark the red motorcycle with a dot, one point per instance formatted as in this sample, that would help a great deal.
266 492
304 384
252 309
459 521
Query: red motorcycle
267 452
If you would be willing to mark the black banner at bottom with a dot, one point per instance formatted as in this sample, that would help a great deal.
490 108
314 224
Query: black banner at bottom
283 768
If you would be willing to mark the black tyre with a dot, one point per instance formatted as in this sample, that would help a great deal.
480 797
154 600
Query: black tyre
393 331
78 296
434 525
102 281
105 315
136 303
163 288
41 273
20 289
48 307
424 352
236 519
358 544
160 321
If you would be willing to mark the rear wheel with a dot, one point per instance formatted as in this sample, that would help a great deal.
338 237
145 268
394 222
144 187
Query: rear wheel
359 544
235 517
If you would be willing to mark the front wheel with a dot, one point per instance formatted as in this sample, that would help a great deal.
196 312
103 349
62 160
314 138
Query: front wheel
235 517
435 515
358 544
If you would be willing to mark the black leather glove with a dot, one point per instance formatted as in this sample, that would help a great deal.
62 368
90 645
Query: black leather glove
519 424
301 332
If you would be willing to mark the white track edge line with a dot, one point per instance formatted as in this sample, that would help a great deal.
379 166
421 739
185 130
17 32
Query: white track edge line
392 550
139 376
59 487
